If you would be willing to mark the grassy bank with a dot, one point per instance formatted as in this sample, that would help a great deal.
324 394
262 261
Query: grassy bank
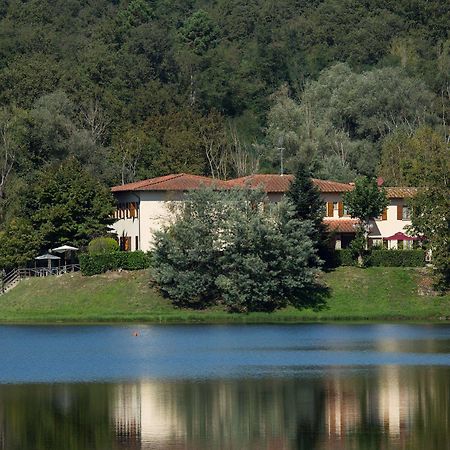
356 294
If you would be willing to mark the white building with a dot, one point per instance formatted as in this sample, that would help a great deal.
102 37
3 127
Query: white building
143 207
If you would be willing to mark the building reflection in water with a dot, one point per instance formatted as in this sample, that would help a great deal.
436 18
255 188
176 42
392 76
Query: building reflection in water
388 407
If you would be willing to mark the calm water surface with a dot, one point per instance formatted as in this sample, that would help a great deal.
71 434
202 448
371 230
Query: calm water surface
225 387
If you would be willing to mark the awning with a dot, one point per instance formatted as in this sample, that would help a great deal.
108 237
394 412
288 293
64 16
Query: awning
402 237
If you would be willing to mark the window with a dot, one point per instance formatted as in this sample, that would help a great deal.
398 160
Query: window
136 241
128 210
346 239
408 245
400 245
406 213
345 210
329 209
377 242
125 243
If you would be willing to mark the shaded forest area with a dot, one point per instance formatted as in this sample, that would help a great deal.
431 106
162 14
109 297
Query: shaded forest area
130 89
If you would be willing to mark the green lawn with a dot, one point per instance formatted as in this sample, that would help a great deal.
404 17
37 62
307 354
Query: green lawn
355 294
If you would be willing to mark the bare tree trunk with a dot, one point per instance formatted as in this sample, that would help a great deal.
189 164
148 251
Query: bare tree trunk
95 121
7 155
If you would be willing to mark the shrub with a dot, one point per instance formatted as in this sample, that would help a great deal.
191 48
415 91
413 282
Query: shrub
95 264
396 258
102 246
344 257
380 258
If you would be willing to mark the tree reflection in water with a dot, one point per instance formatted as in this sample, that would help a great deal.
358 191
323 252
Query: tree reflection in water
382 408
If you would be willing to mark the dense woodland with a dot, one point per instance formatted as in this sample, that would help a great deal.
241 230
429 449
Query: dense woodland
127 89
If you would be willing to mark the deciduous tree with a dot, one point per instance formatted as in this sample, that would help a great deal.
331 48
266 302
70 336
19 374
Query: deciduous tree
365 202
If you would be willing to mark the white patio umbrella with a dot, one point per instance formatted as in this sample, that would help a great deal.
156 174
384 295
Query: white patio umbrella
64 249
49 258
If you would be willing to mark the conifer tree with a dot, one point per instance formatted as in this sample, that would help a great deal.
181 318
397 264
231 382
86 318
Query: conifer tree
308 205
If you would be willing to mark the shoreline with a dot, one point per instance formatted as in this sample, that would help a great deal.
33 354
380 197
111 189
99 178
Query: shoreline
374 295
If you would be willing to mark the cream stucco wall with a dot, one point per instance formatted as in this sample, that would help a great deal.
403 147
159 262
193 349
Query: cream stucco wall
385 228
128 227
154 212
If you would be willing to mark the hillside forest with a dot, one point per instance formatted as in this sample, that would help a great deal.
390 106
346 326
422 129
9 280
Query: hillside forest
104 92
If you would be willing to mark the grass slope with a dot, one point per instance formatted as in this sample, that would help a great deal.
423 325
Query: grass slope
356 294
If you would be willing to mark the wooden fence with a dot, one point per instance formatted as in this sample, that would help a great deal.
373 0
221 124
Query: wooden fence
11 279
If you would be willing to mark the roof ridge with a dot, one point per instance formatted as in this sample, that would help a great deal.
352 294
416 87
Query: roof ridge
331 181
164 178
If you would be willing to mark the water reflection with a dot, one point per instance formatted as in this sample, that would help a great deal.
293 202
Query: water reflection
381 408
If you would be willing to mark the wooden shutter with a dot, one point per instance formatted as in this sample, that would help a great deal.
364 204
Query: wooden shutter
399 212
329 209
341 209
384 214
133 209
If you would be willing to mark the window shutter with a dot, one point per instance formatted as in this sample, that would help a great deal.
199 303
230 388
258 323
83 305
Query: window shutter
341 209
329 209
384 214
133 210
399 212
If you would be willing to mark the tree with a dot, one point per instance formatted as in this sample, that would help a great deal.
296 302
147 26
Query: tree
411 159
231 247
344 115
365 202
186 255
13 142
430 214
308 205
67 205
268 261
199 32
19 244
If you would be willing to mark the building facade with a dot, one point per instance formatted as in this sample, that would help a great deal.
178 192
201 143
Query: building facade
143 207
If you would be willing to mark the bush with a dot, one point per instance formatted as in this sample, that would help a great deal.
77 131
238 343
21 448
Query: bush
396 258
344 257
379 258
95 264
102 246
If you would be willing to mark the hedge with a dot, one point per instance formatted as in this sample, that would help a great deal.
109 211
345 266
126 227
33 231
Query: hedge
396 258
381 258
95 264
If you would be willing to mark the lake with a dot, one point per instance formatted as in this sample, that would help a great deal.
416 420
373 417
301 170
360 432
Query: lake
307 386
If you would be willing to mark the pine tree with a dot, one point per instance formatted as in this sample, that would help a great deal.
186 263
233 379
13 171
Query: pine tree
308 205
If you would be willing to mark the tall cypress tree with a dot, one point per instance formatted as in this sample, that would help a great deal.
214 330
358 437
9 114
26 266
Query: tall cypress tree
305 197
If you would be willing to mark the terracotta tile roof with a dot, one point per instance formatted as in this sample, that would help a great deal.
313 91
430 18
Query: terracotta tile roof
401 192
281 183
269 183
175 182
332 186
341 225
